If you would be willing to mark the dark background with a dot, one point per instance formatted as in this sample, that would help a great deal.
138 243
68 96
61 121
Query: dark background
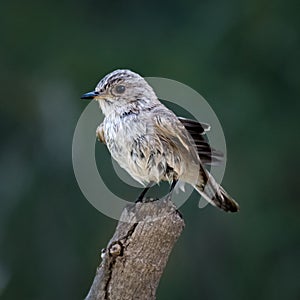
242 56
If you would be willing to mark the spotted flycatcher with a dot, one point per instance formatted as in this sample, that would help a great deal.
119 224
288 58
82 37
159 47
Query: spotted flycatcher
150 142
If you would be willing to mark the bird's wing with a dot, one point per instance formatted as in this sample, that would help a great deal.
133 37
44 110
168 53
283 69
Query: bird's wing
197 130
169 128
195 126
100 133
174 142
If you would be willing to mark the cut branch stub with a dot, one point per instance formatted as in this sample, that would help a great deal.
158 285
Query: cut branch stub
138 252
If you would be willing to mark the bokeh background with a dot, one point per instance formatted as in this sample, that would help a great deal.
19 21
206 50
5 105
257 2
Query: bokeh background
242 56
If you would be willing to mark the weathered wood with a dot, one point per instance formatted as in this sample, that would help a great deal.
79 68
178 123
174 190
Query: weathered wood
136 256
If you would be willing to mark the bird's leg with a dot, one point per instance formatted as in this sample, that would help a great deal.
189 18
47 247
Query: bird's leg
174 182
143 193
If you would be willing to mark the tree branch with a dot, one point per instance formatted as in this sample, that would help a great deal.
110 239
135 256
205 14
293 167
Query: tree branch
136 256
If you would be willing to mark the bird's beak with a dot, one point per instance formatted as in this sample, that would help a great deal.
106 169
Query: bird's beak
93 95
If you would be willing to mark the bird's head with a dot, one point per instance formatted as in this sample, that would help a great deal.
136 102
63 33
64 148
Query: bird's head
119 89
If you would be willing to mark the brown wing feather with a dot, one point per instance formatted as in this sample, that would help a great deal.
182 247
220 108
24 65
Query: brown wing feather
176 139
197 130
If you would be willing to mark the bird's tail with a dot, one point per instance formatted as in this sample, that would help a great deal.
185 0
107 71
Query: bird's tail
213 193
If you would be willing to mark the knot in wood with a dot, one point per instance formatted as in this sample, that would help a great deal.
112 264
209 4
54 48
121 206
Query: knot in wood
115 249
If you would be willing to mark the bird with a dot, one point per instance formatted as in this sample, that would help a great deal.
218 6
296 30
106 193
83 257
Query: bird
151 143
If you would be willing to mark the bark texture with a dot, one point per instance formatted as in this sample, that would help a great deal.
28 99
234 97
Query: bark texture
136 255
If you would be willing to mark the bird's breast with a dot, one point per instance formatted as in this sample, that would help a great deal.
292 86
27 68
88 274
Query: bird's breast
121 134
133 144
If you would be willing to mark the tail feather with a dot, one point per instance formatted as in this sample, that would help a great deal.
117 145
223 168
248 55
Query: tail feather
216 195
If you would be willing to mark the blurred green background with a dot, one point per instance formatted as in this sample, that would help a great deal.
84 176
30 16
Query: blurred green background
242 56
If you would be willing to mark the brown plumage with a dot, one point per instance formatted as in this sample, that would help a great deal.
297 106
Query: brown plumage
150 142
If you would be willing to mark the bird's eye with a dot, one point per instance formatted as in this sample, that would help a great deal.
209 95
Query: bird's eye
120 89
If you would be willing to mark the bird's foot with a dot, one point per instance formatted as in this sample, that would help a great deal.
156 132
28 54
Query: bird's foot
146 200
